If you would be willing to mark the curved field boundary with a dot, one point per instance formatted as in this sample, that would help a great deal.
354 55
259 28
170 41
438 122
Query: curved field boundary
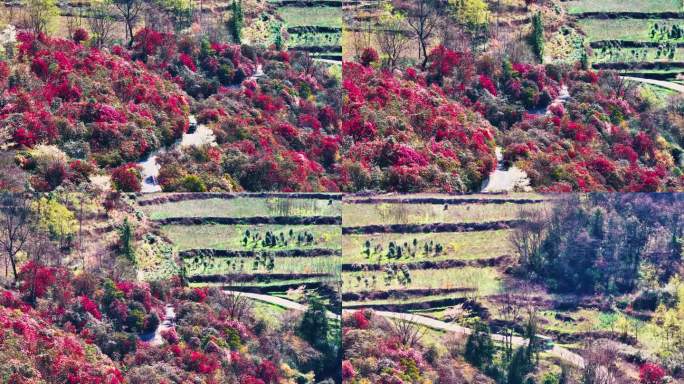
410 306
227 253
431 228
428 264
176 197
428 322
248 277
634 65
283 303
276 220
660 83
628 44
314 29
628 15
441 200
401 293
664 76
310 3
319 48
272 287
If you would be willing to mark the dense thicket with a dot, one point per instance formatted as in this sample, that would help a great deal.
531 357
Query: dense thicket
607 244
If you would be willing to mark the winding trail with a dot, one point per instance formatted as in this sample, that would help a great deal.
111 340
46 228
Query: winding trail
557 351
513 178
279 301
665 84
202 135
431 323
149 168
168 323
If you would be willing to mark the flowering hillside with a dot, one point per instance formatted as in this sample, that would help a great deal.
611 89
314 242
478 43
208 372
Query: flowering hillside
567 128
378 350
279 131
34 350
403 134
93 330
600 140
100 109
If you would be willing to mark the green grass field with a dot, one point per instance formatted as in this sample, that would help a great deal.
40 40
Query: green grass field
485 281
243 207
219 236
306 265
385 213
461 246
634 55
622 29
579 6
311 16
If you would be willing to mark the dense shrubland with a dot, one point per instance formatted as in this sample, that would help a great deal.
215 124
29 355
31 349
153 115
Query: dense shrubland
75 110
99 109
377 350
606 136
625 252
100 325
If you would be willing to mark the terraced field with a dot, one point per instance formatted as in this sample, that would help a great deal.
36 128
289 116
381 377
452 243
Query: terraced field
580 6
640 38
274 244
423 254
313 25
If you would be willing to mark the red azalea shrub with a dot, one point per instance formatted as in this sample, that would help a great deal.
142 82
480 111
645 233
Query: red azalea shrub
36 279
348 371
126 178
427 142
651 373
128 112
487 84
80 35
90 307
369 56
360 319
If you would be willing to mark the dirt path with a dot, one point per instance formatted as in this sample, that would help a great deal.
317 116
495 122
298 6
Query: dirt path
665 84
149 168
283 303
167 324
557 351
506 180
514 178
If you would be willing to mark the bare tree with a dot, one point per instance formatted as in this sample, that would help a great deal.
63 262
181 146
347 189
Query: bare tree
510 312
527 237
392 41
422 17
237 306
599 365
39 13
408 332
130 11
15 217
101 22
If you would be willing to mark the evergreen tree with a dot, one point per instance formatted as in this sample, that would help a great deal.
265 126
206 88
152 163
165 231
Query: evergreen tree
126 240
537 38
314 327
479 348
236 21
